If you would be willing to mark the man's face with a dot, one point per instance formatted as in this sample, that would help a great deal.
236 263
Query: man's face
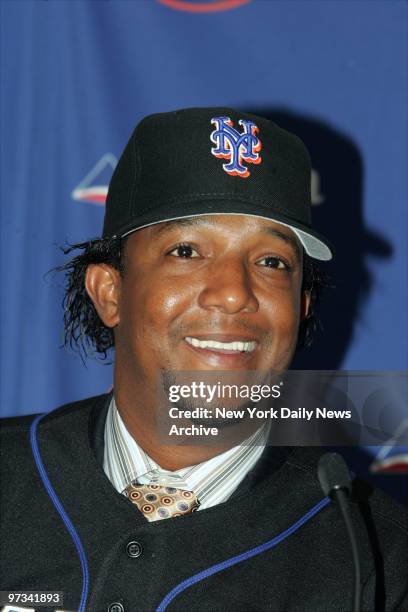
218 292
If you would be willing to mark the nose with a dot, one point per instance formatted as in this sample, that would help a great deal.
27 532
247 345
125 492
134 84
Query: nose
228 288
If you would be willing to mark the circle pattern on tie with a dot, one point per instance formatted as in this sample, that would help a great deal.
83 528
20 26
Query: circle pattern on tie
157 502
163 512
135 495
151 497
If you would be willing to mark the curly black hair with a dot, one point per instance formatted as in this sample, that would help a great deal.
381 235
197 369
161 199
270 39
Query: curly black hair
86 333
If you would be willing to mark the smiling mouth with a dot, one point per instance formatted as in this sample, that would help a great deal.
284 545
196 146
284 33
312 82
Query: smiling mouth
231 348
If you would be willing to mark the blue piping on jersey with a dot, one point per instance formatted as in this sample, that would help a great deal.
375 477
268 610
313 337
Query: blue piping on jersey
182 586
219 567
60 509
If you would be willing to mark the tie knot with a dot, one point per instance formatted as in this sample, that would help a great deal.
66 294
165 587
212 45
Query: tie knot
157 502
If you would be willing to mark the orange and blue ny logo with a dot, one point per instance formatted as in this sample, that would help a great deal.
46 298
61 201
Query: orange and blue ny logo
236 147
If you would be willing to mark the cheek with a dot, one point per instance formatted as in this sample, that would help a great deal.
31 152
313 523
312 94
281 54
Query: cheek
283 304
151 309
283 313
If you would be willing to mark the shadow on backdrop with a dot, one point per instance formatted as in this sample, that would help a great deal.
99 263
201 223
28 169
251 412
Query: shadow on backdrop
338 214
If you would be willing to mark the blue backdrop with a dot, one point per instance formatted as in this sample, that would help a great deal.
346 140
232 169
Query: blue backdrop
77 76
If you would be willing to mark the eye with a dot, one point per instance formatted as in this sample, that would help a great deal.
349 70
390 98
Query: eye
183 250
273 262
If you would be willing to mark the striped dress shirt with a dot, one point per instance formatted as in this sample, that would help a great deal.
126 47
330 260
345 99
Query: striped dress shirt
213 481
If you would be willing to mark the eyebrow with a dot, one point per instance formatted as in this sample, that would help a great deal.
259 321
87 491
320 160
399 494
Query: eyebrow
167 226
292 240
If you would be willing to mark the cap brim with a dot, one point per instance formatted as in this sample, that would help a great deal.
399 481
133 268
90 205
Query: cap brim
315 245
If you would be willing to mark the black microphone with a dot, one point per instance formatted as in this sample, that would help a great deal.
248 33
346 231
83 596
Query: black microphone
334 478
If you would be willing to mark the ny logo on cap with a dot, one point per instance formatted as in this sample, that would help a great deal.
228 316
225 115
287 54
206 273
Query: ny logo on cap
234 146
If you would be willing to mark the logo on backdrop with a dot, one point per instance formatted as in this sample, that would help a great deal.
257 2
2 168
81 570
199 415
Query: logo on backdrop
236 146
203 6
392 458
93 188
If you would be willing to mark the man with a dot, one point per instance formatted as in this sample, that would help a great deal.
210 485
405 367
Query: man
205 264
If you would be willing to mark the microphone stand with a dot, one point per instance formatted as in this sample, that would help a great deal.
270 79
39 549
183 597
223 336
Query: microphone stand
335 481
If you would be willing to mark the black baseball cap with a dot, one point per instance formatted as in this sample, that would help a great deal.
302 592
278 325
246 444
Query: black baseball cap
209 161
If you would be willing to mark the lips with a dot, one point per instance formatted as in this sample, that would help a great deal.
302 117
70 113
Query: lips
226 346
221 351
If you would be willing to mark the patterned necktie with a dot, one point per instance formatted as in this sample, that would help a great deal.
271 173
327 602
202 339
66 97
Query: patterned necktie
157 502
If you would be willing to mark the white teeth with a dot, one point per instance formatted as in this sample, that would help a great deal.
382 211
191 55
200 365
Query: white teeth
241 347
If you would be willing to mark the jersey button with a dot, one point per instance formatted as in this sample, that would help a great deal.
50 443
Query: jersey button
134 550
116 606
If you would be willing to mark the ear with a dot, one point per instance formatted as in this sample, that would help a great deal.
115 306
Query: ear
103 283
304 305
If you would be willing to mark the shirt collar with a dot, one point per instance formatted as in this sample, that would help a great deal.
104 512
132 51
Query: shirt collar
213 481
